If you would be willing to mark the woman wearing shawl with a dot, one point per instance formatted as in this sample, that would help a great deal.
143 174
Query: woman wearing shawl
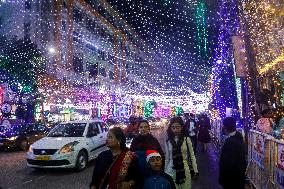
116 168
179 155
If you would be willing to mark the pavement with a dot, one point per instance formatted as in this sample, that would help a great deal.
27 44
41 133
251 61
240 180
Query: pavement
208 166
14 174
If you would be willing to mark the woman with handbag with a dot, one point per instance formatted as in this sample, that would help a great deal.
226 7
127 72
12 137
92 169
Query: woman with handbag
116 168
179 155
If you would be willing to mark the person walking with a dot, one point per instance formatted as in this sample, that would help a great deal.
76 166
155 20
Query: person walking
232 165
158 179
191 129
142 142
132 129
203 132
116 168
179 154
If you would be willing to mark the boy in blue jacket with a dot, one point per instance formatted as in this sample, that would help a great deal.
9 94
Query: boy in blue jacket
158 179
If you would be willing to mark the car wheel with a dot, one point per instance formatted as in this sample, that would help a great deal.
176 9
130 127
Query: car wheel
24 145
81 161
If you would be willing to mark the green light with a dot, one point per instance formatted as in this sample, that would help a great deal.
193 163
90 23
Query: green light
201 29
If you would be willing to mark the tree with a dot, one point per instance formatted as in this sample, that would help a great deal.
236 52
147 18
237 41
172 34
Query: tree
20 62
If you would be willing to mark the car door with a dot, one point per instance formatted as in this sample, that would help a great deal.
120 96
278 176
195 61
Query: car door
94 138
101 135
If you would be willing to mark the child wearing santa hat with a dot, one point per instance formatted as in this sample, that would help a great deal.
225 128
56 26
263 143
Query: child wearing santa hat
158 179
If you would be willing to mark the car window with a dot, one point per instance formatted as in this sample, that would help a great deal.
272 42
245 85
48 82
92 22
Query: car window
68 130
93 129
39 127
104 127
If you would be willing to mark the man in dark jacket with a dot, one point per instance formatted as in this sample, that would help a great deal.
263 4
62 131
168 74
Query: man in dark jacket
191 129
232 165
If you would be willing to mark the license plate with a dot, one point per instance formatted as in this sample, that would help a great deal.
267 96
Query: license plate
44 158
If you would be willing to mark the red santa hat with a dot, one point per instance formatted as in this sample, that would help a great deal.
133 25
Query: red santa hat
152 153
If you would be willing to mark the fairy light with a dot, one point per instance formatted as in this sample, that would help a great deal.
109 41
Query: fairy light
87 49
223 77
266 33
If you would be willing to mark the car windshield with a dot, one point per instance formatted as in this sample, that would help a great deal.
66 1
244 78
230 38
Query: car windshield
16 129
68 130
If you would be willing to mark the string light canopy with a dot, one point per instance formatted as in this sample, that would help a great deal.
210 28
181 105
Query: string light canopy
177 37
178 32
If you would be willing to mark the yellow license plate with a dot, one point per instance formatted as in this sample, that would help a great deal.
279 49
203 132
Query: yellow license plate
44 158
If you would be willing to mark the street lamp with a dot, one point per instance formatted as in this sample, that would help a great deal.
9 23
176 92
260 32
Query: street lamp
51 50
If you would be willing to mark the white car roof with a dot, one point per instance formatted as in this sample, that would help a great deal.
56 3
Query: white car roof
83 121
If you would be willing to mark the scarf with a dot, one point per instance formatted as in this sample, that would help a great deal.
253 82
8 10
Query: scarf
119 170
178 160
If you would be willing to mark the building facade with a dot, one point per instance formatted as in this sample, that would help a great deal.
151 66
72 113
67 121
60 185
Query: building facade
91 54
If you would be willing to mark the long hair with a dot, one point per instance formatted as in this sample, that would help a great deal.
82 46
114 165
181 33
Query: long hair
119 135
169 130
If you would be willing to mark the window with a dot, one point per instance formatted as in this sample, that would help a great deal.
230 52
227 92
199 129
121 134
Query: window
64 4
64 26
111 75
28 4
77 15
102 71
91 25
93 129
27 26
93 70
101 55
76 37
78 64
39 127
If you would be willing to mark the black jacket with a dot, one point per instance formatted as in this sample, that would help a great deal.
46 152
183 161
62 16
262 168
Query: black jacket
187 126
232 164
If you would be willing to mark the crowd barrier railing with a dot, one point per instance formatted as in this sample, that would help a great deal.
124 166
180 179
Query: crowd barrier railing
265 161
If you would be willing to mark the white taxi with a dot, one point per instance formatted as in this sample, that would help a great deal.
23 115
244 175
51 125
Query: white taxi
69 145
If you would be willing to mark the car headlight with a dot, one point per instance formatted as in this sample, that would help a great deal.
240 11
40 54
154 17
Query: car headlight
68 147
30 149
13 138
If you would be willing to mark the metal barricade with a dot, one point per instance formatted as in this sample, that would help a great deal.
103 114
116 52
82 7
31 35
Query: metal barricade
276 167
259 161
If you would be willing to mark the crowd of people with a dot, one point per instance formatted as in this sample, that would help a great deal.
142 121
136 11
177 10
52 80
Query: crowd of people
146 166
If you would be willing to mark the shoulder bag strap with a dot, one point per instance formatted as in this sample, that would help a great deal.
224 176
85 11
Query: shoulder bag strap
103 180
188 154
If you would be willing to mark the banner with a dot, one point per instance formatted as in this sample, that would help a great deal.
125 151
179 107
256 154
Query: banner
279 176
280 156
258 149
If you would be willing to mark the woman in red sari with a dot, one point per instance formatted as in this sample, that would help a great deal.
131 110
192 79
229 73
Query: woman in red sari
116 168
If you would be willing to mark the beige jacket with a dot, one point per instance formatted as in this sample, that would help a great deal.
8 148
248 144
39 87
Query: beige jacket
169 162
